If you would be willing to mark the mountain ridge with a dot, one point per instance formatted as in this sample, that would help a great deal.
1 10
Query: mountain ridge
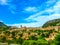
54 22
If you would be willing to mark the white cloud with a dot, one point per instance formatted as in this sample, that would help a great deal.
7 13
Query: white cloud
31 9
50 2
3 2
12 8
55 9
8 3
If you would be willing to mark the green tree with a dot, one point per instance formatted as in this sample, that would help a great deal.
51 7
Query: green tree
57 39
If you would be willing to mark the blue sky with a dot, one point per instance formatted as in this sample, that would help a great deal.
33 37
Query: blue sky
30 13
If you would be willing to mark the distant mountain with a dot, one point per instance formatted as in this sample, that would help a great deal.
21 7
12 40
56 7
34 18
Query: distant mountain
3 26
55 22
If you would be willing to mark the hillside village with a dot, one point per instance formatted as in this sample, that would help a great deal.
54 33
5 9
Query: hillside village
54 28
